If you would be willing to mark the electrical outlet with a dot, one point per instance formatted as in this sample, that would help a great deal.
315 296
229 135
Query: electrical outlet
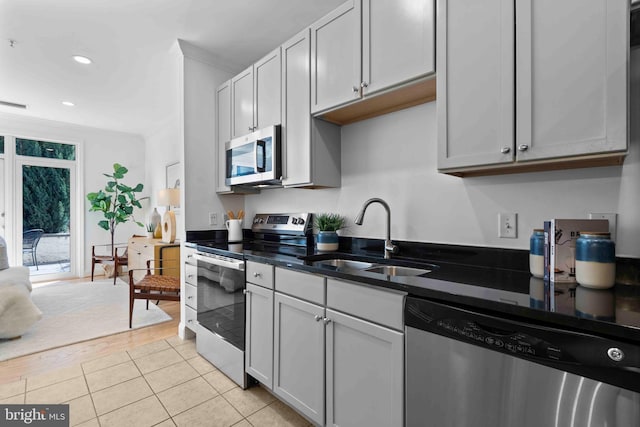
213 218
613 221
508 225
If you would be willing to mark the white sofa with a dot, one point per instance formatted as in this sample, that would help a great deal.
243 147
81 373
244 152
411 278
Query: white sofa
17 312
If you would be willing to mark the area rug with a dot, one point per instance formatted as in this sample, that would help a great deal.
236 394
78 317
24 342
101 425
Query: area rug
80 311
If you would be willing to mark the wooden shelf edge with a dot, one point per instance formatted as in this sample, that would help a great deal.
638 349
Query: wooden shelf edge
394 99
599 160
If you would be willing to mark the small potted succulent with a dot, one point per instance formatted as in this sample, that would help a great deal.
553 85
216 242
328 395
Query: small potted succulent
150 230
327 225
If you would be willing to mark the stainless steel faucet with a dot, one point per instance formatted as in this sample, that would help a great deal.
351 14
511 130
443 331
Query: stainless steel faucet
389 247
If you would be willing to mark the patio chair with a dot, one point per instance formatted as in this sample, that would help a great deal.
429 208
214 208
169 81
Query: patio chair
153 287
30 239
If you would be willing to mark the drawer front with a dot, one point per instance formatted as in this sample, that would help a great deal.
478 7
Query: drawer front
190 318
188 255
191 274
381 306
191 296
260 274
306 286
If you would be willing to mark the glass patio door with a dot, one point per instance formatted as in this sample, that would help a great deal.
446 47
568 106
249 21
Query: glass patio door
45 200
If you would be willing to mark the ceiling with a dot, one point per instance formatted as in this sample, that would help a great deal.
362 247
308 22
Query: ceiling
132 84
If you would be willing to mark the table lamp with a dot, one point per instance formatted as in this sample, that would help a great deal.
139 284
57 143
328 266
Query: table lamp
169 197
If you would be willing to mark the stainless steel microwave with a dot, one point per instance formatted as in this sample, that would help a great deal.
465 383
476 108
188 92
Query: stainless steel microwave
254 159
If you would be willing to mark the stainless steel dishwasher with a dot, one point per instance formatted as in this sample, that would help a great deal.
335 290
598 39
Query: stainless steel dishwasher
466 368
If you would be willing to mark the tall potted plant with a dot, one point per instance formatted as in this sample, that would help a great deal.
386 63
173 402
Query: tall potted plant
116 202
327 225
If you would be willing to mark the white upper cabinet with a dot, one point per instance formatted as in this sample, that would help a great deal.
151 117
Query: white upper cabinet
223 125
310 147
475 82
572 83
398 40
521 83
365 47
335 63
255 96
242 103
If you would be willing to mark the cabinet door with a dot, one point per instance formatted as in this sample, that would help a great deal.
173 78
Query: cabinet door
335 60
242 103
259 334
299 355
398 42
363 394
475 82
267 76
572 77
296 117
223 111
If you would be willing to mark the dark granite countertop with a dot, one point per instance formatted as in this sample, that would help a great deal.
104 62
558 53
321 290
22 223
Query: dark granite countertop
474 278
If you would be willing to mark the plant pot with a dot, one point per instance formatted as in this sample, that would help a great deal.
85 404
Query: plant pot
327 241
150 234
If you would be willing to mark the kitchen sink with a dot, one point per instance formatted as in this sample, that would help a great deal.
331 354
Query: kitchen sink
397 270
348 264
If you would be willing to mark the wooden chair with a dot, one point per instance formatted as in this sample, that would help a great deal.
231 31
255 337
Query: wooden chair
104 258
153 287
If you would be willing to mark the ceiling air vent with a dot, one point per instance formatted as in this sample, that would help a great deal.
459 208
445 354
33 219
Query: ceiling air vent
12 104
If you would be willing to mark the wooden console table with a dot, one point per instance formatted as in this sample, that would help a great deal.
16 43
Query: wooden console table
165 256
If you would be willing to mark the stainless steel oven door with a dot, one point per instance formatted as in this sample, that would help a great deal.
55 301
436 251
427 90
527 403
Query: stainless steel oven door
221 298
254 158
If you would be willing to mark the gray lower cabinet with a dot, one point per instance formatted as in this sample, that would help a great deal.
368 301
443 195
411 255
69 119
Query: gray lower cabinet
335 368
299 344
365 373
259 334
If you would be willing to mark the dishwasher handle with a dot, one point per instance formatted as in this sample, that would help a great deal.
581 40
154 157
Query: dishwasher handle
524 339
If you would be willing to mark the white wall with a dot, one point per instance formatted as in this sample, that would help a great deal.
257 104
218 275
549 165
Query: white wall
100 150
394 157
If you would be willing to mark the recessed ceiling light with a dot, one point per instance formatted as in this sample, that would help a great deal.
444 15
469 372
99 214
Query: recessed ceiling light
68 104
82 59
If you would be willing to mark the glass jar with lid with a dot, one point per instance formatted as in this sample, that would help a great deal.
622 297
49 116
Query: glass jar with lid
536 253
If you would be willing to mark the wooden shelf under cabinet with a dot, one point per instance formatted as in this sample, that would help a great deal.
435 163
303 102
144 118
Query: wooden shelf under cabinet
165 256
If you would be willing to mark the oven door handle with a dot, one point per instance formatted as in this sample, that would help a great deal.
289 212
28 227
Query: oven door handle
227 262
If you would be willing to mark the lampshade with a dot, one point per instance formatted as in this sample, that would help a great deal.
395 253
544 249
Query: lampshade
169 197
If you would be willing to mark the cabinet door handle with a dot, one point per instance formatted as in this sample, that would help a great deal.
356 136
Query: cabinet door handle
317 318
356 89
246 292
257 275
190 297
190 321
364 84
190 276
505 150
189 256
327 320
523 147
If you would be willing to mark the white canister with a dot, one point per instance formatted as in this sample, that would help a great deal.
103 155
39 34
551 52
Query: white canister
595 260
234 227
536 253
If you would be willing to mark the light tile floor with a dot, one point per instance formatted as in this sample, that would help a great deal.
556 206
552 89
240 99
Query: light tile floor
164 383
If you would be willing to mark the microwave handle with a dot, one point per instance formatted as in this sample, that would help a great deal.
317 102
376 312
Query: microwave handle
261 145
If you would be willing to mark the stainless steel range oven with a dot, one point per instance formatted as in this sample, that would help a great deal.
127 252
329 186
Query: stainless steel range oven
221 315
221 285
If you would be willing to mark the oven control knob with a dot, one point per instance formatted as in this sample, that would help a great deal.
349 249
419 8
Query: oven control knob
294 220
615 354
301 221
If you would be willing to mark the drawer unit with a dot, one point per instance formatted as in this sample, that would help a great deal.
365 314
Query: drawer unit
191 274
190 317
188 255
306 286
191 296
260 274
384 307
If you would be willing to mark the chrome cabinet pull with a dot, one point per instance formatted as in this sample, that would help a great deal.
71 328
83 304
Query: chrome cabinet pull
356 89
364 84
523 147
246 292
317 318
327 320
505 150
257 275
